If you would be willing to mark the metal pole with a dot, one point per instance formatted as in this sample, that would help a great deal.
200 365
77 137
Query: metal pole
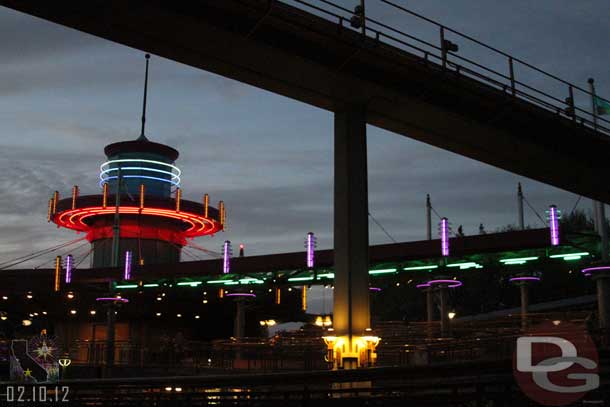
116 226
443 50
602 282
442 295
363 17
603 230
599 207
110 316
520 205
512 75
428 218
524 289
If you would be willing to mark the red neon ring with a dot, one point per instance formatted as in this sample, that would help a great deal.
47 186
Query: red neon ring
198 225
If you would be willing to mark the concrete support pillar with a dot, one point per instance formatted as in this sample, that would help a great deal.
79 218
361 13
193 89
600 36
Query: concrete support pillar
239 324
351 311
442 297
525 302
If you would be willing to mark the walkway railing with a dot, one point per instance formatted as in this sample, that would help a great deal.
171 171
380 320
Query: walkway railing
550 92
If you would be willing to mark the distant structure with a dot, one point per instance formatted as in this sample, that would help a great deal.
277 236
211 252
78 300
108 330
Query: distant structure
140 214
140 207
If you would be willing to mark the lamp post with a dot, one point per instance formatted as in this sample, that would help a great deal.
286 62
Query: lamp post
64 362
330 340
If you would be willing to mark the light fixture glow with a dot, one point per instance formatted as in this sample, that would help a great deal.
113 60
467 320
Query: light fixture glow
449 283
444 231
554 225
171 170
56 285
69 263
226 257
382 271
518 260
127 271
310 244
189 283
466 265
600 269
430 267
127 286
300 279
573 255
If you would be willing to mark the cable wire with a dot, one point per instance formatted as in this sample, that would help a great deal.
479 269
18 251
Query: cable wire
576 204
40 253
382 228
534 210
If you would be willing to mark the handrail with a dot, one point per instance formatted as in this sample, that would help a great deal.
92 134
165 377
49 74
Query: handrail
566 108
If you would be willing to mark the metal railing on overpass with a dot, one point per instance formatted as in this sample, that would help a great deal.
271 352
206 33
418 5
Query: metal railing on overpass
552 93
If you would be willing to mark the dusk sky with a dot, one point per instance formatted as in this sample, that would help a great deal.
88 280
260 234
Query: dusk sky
64 95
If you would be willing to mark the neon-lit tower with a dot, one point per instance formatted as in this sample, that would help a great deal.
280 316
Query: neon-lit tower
154 219
140 212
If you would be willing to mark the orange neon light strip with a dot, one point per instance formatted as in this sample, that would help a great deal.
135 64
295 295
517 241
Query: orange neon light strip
57 273
74 196
141 197
206 203
55 199
105 196
178 198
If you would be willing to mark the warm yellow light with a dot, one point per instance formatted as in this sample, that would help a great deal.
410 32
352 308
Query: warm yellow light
205 301
328 321
142 190
158 314
178 199
371 340
178 389
319 321
105 195
73 311
206 203
197 316
57 273
168 388
26 322
29 296
74 196
4 297
179 315
451 315
93 312
70 295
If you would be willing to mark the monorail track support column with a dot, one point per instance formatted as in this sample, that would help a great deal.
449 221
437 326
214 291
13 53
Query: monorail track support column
351 316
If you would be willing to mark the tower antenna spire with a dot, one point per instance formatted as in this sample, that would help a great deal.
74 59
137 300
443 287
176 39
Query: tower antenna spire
142 136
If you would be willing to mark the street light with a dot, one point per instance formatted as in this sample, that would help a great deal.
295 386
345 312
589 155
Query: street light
451 314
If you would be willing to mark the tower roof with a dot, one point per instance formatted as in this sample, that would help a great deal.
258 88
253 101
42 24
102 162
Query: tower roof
141 145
